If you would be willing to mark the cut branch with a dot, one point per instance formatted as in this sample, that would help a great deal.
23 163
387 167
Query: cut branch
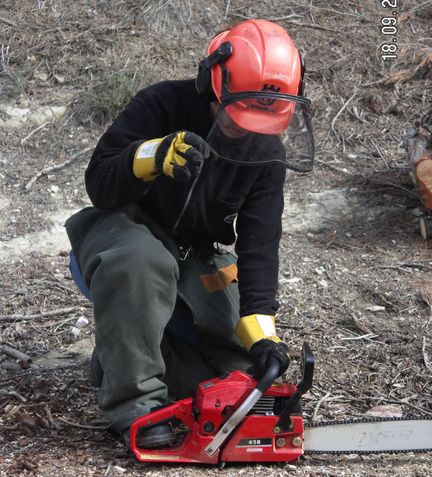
23 359
46 314
56 167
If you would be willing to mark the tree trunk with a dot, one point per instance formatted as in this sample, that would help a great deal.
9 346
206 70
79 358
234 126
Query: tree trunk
418 144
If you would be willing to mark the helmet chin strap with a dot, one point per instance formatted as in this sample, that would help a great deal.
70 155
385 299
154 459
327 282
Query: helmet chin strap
213 108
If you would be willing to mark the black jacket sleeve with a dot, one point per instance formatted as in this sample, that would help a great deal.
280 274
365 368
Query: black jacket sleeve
109 178
259 229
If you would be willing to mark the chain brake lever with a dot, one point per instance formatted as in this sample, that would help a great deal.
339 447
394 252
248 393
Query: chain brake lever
308 364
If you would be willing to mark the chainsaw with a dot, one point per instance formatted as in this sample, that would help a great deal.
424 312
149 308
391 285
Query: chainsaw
235 418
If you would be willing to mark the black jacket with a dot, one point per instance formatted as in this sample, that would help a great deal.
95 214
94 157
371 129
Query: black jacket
227 199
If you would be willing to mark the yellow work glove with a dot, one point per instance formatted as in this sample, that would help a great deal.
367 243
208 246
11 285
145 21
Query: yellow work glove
258 335
178 155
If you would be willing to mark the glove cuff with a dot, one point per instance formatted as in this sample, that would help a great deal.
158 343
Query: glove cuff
253 328
144 160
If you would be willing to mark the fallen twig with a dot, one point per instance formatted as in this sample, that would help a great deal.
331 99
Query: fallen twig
273 19
401 265
23 140
9 22
396 185
401 401
46 314
367 336
383 398
419 7
318 405
286 18
5 392
83 426
341 111
334 168
426 361
360 325
227 8
50 418
420 264
327 397
392 267
56 167
14 353
311 25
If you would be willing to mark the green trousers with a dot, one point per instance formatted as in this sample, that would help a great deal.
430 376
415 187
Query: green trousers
136 276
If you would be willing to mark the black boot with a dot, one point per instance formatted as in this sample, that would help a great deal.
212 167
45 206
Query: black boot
161 435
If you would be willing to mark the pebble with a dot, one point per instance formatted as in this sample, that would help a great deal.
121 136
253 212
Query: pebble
81 322
375 308
75 331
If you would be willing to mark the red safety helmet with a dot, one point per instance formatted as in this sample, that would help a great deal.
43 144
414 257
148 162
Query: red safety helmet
263 58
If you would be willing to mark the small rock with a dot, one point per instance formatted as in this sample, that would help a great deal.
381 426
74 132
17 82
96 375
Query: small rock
40 75
55 189
75 332
375 308
20 112
59 78
323 283
387 410
81 322
118 469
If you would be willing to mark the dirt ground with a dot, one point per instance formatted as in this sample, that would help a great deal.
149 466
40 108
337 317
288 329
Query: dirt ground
355 273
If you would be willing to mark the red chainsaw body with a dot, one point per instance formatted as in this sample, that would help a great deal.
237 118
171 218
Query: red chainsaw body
254 440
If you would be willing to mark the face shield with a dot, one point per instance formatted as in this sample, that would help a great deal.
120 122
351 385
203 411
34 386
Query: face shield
260 127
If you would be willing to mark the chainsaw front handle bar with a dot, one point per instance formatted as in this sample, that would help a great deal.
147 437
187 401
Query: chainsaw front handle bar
308 364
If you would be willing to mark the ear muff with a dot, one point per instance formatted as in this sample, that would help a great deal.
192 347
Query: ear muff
203 79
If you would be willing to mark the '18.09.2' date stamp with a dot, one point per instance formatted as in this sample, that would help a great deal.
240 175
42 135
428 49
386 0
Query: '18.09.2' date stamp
389 29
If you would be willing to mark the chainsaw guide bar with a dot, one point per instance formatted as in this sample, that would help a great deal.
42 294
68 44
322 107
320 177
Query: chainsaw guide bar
369 436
